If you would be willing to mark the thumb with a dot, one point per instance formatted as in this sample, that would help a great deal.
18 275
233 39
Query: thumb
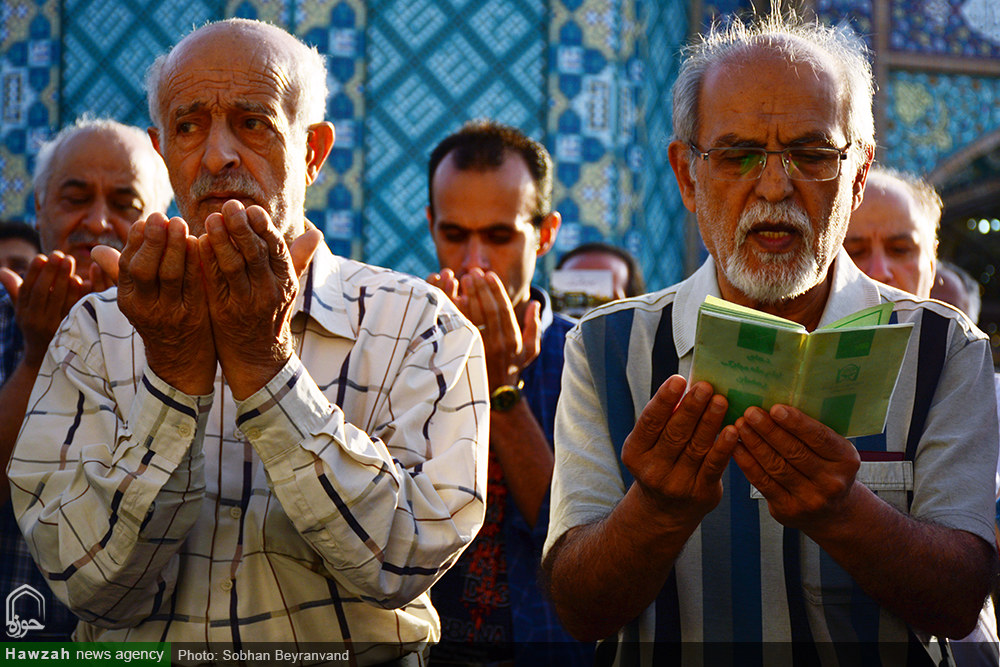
11 282
106 259
531 329
532 319
303 248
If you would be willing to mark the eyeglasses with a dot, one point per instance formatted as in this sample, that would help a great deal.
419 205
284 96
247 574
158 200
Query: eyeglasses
740 163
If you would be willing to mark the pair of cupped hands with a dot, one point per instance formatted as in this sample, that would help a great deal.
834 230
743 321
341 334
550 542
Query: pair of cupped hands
224 297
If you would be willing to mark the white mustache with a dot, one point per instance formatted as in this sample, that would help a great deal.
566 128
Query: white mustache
108 239
235 184
785 213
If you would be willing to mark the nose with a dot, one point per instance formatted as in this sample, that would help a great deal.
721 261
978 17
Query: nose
221 148
474 257
97 220
774 184
879 267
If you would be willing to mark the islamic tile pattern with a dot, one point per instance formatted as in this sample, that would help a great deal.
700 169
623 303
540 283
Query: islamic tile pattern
716 9
609 72
29 95
929 117
656 235
933 116
858 14
968 28
334 201
431 65
107 47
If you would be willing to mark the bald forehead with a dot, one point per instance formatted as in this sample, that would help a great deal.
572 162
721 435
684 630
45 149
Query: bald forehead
85 139
902 198
250 35
107 149
204 58
801 57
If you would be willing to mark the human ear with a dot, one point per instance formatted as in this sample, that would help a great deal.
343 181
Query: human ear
319 142
858 187
154 137
679 154
547 232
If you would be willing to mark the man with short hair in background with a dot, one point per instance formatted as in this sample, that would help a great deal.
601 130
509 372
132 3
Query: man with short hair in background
92 181
490 217
627 279
18 246
255 440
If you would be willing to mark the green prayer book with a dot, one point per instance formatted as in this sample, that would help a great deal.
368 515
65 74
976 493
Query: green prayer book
842 374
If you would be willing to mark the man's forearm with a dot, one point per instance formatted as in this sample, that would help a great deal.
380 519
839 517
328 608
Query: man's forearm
14 395
110 513
385 515
604 574
933 577
525 456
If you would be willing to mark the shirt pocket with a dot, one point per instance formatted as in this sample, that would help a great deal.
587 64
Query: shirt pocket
889 480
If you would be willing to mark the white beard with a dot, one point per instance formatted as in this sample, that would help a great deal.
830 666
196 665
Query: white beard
781 276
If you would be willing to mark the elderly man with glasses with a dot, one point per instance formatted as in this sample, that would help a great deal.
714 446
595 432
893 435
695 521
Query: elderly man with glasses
853 551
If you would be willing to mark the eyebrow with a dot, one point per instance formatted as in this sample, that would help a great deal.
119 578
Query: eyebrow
735 140
253 107
84 185
185 109
243 104
493 227
904 236
74 183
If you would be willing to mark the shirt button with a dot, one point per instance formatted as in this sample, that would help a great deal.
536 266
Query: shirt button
226 585
235 512
185 430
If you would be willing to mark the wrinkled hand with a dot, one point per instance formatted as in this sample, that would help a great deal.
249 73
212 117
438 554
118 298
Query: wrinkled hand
677 453
42 300
510 346
804 469
161 293
251 279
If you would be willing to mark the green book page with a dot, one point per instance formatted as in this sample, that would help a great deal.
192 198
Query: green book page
749 362
848 376
869 317
722 307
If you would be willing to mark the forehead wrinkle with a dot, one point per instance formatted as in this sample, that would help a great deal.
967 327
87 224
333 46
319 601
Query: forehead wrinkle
267 78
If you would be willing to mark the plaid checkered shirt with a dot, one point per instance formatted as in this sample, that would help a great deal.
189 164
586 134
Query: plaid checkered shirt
321 508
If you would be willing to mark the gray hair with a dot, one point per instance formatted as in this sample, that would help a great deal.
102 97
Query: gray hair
159 189
922 192
796 40
307 71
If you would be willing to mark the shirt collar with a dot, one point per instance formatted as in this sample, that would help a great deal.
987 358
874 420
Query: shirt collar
545 313
850 292
323 296
690 295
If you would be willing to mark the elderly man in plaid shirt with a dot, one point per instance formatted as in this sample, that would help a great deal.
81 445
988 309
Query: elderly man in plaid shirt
252 440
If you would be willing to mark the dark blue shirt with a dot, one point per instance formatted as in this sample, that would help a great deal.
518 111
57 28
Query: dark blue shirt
538 636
